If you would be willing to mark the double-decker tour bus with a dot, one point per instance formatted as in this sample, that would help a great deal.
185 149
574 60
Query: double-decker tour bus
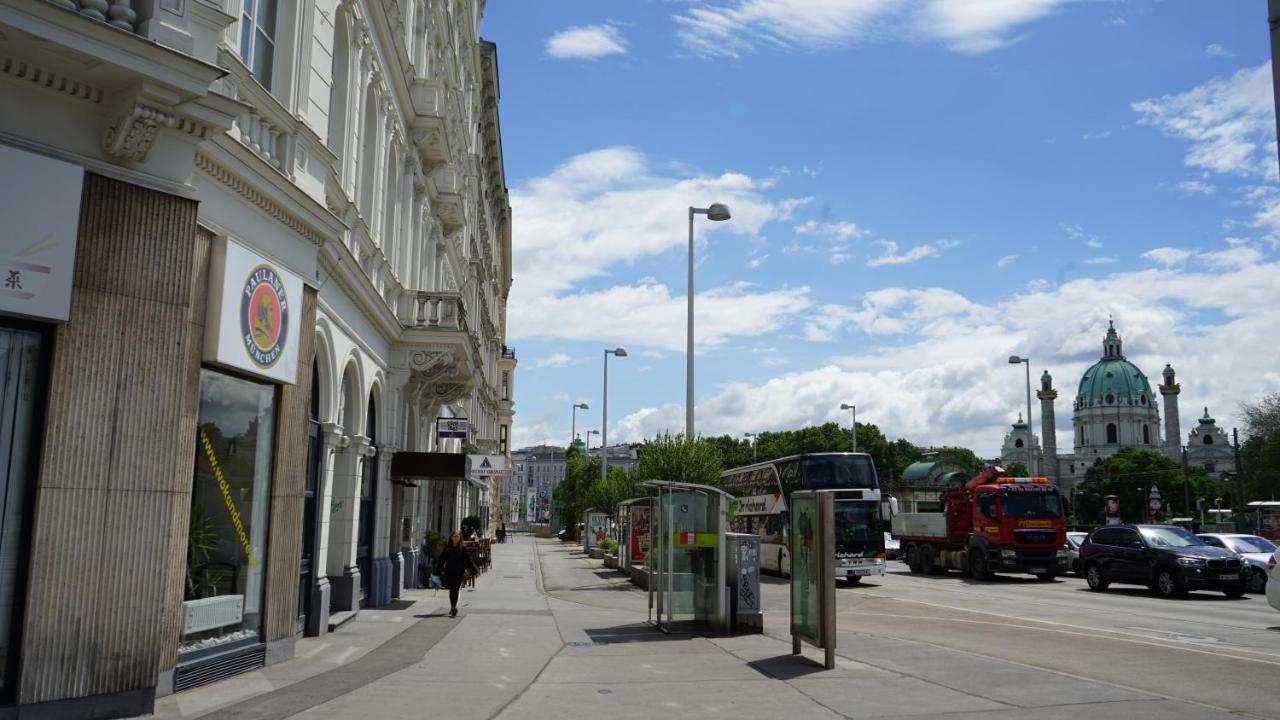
763 489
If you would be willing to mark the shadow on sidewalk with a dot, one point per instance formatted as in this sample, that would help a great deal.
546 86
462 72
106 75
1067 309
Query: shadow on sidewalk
785 667
632 634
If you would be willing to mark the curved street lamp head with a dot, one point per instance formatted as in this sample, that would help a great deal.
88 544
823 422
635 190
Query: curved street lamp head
581 406
619 352
1014 359
718 212
846 406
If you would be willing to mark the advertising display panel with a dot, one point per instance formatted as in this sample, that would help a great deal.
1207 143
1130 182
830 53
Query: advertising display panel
813 563
641 516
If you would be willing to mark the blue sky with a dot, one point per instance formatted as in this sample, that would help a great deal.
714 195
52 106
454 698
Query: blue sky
920 188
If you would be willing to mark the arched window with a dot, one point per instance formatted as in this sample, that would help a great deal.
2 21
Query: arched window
1017 443
1146 435
1111 399
1208 439
1142 399
1113 434
1081 440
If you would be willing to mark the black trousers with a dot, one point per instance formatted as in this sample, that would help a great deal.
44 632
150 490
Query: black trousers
454 587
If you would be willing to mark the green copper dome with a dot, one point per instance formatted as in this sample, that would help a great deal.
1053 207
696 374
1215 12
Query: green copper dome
1114 381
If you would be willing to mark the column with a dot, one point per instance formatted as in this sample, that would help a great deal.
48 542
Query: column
344 520
332 438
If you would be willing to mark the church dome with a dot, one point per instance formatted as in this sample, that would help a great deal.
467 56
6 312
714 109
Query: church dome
1113 380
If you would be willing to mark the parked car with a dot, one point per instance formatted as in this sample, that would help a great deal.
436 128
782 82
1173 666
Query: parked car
892 551
1074 540
1256 552
1170 560
1273 585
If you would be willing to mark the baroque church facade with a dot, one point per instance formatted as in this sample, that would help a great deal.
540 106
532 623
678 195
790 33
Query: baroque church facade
1115 407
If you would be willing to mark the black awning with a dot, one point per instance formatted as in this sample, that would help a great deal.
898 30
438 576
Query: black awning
428 465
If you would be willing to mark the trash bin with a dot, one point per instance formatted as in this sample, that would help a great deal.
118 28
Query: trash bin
743 577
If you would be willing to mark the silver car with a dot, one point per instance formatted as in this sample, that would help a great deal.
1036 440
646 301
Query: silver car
1074 540
1255 551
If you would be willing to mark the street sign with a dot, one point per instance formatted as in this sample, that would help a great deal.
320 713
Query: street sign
451 428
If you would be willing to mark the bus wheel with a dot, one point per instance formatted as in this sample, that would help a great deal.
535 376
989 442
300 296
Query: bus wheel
853 579
913 557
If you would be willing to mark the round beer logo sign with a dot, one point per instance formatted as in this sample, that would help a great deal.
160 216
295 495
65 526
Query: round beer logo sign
264 316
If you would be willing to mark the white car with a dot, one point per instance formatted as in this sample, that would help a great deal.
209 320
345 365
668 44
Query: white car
1255 551
1074 541
1273 585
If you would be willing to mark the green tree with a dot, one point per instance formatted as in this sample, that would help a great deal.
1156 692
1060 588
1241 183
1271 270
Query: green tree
1017 469
1260 451
679 459
733 452
573 494
1129 475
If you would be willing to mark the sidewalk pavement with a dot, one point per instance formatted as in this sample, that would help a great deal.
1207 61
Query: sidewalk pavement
549 633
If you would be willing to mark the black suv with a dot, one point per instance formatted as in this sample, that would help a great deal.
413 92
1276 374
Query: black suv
1168 559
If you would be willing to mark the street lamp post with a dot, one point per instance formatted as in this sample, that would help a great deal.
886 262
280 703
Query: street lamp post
853 422
604 414
754 437
1031 450
573 429
717 212
589 434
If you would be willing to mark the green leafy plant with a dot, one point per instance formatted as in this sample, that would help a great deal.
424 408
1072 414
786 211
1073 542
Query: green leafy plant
432 544
609 545
470 523
202 541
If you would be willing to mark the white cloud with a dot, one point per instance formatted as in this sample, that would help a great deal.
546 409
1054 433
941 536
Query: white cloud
1197 186
977 26
586 42
1216 50
930 386
1075 232
606 207
1229 121
1100 135
651 316
1117 21
842 230
1006 261
1168 256
757 261
890 256
1233 258
555 360
1107 260
730 28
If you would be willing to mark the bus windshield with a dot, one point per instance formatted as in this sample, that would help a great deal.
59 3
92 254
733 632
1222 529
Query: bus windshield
855 530
839 472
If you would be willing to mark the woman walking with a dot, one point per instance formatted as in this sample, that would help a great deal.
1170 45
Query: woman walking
453 565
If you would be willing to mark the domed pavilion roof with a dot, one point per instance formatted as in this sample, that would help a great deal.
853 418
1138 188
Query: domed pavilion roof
1113 380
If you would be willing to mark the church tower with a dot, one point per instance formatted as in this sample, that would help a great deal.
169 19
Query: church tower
1048 428
1169 389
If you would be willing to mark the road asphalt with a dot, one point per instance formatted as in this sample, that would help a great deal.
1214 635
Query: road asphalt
550 633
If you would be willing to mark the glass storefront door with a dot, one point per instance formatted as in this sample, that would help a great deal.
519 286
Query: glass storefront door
230 498
21 389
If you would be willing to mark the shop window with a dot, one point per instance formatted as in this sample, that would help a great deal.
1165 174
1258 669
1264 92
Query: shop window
21 387
258 38
230 494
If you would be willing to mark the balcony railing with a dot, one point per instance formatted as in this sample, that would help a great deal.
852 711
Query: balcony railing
440 310
117 12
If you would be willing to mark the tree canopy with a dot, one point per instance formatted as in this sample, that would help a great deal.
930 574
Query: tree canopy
1260 451
1129 475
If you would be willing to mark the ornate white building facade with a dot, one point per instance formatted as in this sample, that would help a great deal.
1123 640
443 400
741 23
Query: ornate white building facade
257 250
1115 408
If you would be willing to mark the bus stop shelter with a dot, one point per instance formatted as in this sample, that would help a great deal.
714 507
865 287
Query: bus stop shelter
635 531
689 587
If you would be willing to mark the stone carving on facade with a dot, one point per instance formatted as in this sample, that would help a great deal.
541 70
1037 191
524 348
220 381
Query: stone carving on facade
130 135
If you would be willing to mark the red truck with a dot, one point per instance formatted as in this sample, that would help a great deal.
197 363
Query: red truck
993 523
